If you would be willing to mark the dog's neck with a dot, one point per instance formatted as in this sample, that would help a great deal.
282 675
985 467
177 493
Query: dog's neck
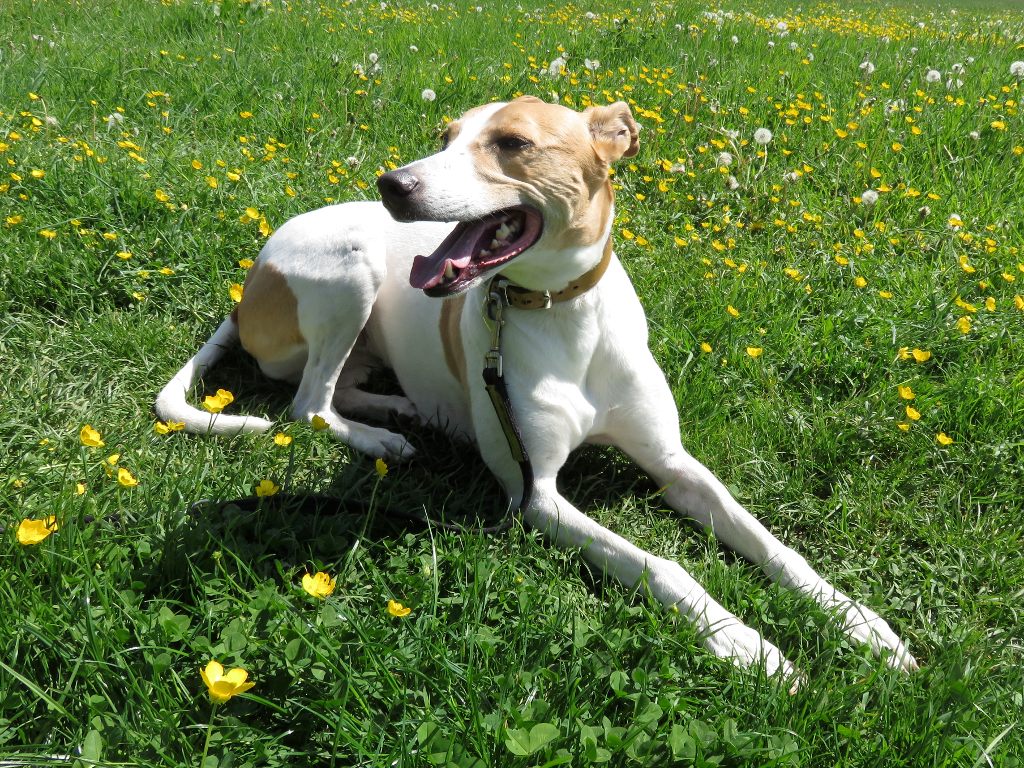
526 298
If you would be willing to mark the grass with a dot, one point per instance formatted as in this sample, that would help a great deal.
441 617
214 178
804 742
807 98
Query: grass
515 654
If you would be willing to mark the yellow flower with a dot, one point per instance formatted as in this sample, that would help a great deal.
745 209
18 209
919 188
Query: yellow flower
859 281
34 531
90 437
912 413
754 351
49 234
381 467
398 610
165 427
921 355
245 115
267 488
218 402
126 478
943 438
282 439
990 304
80 488
319 584
235 292
162 196
732 311
223 687
1018 302
211 182
905 391
705 347
964 324
319 423
124 255
245 263
905 426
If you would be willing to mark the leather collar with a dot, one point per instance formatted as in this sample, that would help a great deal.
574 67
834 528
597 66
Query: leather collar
525 298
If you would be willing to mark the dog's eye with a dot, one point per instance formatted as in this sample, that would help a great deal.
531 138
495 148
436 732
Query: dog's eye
513 143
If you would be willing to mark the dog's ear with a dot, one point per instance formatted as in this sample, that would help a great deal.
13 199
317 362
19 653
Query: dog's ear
614 131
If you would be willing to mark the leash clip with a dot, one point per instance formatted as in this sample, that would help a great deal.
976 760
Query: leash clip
494 309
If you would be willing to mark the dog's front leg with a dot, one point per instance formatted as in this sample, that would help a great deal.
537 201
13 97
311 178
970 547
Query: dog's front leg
566 526
647 430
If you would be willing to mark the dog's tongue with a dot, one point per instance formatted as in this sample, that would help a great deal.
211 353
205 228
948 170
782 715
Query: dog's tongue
458 248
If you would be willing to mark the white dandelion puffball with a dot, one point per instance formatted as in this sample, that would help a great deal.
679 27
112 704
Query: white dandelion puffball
591 64
732 183
771 43
555 68
724 159
428 95
870 197
957 69
867 67
1017 69
974 135
762 136
734 40
794 45
933 76
782 26
374 58
413 49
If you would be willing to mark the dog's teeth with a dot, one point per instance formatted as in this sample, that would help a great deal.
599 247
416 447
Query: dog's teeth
484 252
449 272
495 244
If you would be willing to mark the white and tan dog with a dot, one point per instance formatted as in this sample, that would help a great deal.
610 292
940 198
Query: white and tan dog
339 289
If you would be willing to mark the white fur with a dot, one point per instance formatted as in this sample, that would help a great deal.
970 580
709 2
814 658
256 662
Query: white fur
578 372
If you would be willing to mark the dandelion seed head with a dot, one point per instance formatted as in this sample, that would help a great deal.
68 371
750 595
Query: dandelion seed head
762 136
428 95
869 197
933 76
1017 69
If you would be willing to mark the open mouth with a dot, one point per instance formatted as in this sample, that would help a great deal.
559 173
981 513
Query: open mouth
475 248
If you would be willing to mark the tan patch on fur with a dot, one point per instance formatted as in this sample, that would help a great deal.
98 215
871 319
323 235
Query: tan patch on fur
451 337
578 194
267 316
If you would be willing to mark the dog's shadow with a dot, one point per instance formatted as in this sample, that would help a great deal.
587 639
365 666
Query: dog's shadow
446 482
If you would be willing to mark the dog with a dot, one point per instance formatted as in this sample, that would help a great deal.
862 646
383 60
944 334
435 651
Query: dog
341 289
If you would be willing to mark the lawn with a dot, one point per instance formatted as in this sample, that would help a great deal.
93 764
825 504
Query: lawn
838 305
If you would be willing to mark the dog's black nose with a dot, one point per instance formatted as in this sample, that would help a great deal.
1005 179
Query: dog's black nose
397 184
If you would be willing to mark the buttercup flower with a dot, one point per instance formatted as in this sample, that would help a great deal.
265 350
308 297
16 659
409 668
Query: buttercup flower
905 392
319 423
943 439
755 351
381 467
34 531
398 610
267 488
90 437
319 584
126 478
223 686
218 402
282 439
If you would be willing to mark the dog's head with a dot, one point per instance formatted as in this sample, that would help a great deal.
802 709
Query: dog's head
527 182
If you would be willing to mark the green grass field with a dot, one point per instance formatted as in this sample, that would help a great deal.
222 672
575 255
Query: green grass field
853 370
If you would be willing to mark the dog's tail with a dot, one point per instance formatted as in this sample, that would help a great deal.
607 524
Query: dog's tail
172 403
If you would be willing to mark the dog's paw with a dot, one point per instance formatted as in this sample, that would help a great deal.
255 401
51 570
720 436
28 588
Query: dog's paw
745 647
867 627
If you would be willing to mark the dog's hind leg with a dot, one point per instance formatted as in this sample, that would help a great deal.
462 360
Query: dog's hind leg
348 398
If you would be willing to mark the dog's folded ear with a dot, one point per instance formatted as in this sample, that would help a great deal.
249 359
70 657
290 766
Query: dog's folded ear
614 131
